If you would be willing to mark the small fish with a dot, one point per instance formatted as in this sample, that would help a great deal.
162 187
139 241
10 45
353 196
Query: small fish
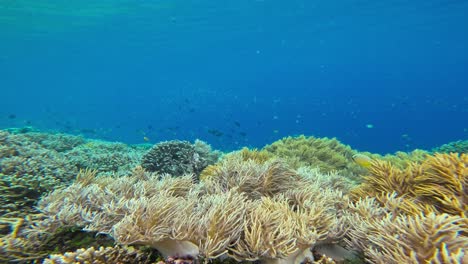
362 160
146 139
237 124
11 116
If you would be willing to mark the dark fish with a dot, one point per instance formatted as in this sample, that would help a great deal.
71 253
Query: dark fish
237 123
191 110
88 131
215 132
11 116
150 127
243 134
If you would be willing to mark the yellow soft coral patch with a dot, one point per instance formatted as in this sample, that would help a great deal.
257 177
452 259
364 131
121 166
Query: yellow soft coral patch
439 181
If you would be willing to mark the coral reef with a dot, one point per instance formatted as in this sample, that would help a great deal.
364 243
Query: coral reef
179 157
248 176
438 183
107 157
326 154
122 255
34 163
386 236
460 146
27 170
221 216
401 159
293 201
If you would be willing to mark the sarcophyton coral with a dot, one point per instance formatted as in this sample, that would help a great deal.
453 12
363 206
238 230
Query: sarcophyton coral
401 159
326 154
228 215
438 183
412 215
385 234
179 157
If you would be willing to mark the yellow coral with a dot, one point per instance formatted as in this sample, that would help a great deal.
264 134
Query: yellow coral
439 182
417 239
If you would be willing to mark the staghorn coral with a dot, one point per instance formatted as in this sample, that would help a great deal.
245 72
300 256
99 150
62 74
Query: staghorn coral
326 154
438 183
179 157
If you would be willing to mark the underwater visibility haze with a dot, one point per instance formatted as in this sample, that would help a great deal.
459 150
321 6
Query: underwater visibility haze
234 131
380 76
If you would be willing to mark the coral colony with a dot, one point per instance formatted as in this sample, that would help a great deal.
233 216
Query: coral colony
67 199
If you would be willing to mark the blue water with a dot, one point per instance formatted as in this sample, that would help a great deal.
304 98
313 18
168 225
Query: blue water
378 75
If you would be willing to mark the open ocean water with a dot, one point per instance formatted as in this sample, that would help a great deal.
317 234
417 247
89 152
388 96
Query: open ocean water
116 89
380 76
